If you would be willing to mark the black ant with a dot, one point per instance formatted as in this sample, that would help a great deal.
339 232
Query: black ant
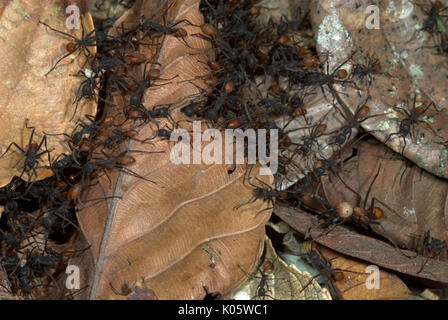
364 72
147 78
83 44
430 24
76 139
441 47
119 137
324 267
266 193
87 88
262 287
353 121
316 131
359 215
23 274
31 152
406 124
147 26
318 78
432 247
120 161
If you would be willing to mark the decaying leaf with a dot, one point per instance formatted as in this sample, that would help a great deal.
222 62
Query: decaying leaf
341 30
178 230
417 49
359 246
359 282
405 189
29 50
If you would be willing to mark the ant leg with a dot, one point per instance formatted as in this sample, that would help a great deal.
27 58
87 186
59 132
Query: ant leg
423 266
44 141
347 186
55 65
402 174
404 147
9 147
269 208
370 188
391 135
248 177
76 107
245 203
66 34
134 174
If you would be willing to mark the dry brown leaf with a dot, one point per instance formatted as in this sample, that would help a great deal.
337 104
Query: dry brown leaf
340 29
353 286
426 67
405 188
352 244
28 51
180 233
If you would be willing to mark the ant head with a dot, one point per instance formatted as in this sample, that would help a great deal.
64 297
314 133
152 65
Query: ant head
284 39
234 124
377 67
300 111
342 74
286 142
337 275
254 10
362 112
34 147
229 86
419 110
376 213
180 33
214 65
209 30
438 4
70 47
211 81
321 128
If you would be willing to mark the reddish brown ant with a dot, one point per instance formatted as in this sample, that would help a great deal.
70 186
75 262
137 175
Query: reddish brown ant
432 248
